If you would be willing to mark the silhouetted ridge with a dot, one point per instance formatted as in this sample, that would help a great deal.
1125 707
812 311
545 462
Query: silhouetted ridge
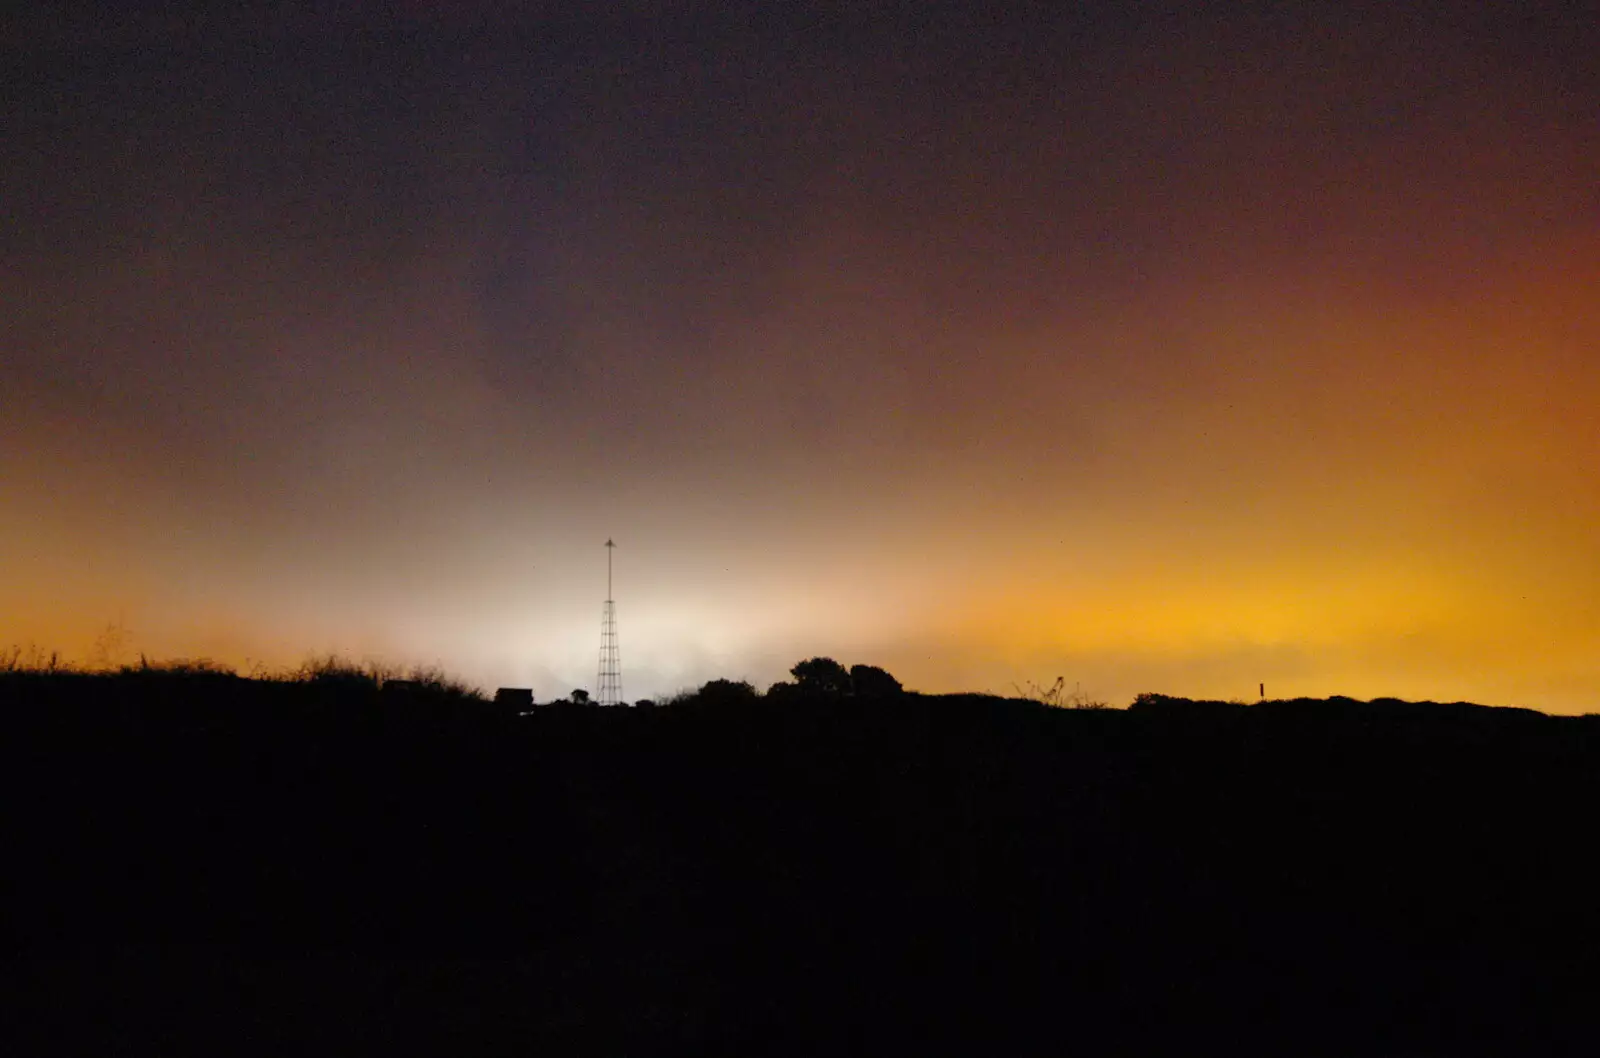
802 873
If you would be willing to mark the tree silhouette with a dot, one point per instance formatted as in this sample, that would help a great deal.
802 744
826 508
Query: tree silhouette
823 676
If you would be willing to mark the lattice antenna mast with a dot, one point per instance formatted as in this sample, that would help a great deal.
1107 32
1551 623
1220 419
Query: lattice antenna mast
609 689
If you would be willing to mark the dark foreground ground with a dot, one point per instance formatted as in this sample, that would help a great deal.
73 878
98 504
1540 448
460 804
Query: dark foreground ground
275 868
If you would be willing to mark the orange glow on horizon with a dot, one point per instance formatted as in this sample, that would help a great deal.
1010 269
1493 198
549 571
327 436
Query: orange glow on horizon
1184 365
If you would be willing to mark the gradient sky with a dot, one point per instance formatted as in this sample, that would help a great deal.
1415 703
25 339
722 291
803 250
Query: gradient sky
1146 345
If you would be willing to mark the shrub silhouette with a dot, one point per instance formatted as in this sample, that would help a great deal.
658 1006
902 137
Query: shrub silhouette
821 676
869 681
729 692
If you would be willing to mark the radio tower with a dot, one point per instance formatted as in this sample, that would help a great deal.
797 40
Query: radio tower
610 681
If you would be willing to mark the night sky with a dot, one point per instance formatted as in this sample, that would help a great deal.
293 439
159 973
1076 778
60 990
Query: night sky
1161 347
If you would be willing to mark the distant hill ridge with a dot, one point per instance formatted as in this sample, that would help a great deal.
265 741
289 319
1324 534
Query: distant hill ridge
800 873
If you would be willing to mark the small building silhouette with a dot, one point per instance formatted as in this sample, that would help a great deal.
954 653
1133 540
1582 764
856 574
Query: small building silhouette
514 697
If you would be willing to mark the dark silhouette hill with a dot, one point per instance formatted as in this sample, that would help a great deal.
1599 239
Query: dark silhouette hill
320 864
